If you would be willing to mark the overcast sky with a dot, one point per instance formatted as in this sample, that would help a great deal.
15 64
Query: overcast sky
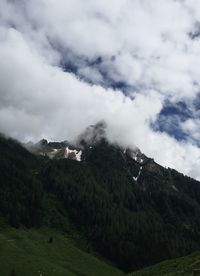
66 64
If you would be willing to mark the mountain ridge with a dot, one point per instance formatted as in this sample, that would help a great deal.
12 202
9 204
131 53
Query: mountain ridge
131 221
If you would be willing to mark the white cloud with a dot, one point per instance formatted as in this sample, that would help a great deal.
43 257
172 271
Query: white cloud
191 127
142 43
90 73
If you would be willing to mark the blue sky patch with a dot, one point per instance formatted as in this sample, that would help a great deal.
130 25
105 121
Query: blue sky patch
170 119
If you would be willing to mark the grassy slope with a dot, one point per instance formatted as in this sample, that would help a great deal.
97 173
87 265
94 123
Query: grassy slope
30 253
185 266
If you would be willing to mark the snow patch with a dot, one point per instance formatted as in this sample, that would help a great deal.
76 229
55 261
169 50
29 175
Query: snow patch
137 157
77 154
52 153
136 178
174 188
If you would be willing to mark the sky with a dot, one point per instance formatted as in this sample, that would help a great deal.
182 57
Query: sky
67 64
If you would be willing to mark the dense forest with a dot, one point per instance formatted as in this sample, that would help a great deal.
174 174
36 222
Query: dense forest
133 223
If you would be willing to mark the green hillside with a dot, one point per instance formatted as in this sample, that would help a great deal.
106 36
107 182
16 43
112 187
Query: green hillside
185 266
29 253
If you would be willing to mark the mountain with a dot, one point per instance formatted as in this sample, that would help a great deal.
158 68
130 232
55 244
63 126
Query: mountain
129 209
93 135
55 150
65 150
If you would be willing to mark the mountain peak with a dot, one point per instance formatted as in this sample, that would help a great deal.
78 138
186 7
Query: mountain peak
93 134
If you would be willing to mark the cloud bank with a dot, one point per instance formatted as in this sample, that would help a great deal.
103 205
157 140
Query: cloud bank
67 64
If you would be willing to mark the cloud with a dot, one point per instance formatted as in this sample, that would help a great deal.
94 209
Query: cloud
149 45
145 45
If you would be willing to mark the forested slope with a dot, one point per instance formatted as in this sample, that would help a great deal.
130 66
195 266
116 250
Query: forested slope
133 223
